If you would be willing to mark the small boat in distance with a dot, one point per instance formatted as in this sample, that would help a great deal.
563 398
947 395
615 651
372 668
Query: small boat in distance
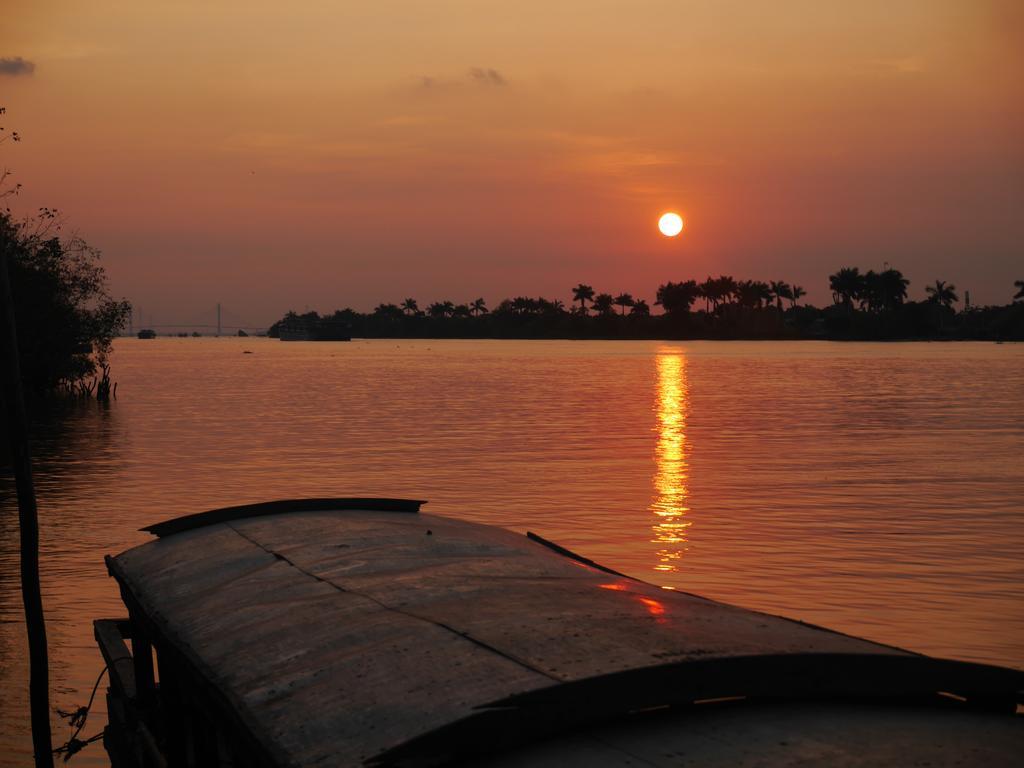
147 333
359 632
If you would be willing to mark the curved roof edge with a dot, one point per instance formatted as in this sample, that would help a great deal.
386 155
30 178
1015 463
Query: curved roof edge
555 710
282 507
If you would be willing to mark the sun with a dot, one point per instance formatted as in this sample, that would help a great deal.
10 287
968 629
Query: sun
670 224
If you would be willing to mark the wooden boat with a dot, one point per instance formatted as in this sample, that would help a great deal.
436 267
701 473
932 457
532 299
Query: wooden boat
359 632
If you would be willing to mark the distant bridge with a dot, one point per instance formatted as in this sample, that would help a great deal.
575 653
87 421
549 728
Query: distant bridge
209 321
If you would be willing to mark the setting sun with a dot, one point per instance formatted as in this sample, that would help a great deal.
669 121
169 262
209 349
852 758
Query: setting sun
670 224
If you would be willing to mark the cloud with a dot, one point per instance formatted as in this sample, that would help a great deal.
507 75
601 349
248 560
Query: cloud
487 76
16 66
906 65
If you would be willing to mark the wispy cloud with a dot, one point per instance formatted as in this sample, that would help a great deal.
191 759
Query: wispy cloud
905 65
487 76
16 66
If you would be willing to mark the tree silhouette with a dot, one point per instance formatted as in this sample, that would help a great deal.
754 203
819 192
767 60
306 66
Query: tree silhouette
524 305
734 309
708 290
892 288
603 304
441 309
677 298
763 292
943 294
640 309
582 293
780 291
747 294
624 300
718 290
847 286
66 319
726 288
386 310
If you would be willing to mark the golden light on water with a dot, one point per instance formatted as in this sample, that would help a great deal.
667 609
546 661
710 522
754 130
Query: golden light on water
671 462
670 224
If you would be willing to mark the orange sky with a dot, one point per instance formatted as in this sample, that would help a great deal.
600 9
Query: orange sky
275 155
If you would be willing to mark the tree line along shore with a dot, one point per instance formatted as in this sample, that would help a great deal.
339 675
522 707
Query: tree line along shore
866 306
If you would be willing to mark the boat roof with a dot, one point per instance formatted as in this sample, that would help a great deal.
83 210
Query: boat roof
356 631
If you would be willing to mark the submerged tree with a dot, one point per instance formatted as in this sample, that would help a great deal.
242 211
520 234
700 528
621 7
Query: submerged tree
66 319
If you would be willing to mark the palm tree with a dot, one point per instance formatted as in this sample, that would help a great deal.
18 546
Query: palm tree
478 307
624 300
678 297
847 285
582 293
727 287
870 296
780 291
441 309
943 294
892 287
603 303
1019 285
522 305
410 307
708 290
747 293
640 308
796 292
387 310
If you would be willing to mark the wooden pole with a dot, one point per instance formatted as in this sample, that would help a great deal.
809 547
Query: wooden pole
28 520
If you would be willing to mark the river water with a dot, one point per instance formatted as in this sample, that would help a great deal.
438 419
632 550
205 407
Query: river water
877 489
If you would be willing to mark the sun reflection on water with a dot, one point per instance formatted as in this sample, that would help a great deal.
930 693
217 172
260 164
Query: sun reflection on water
671 463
